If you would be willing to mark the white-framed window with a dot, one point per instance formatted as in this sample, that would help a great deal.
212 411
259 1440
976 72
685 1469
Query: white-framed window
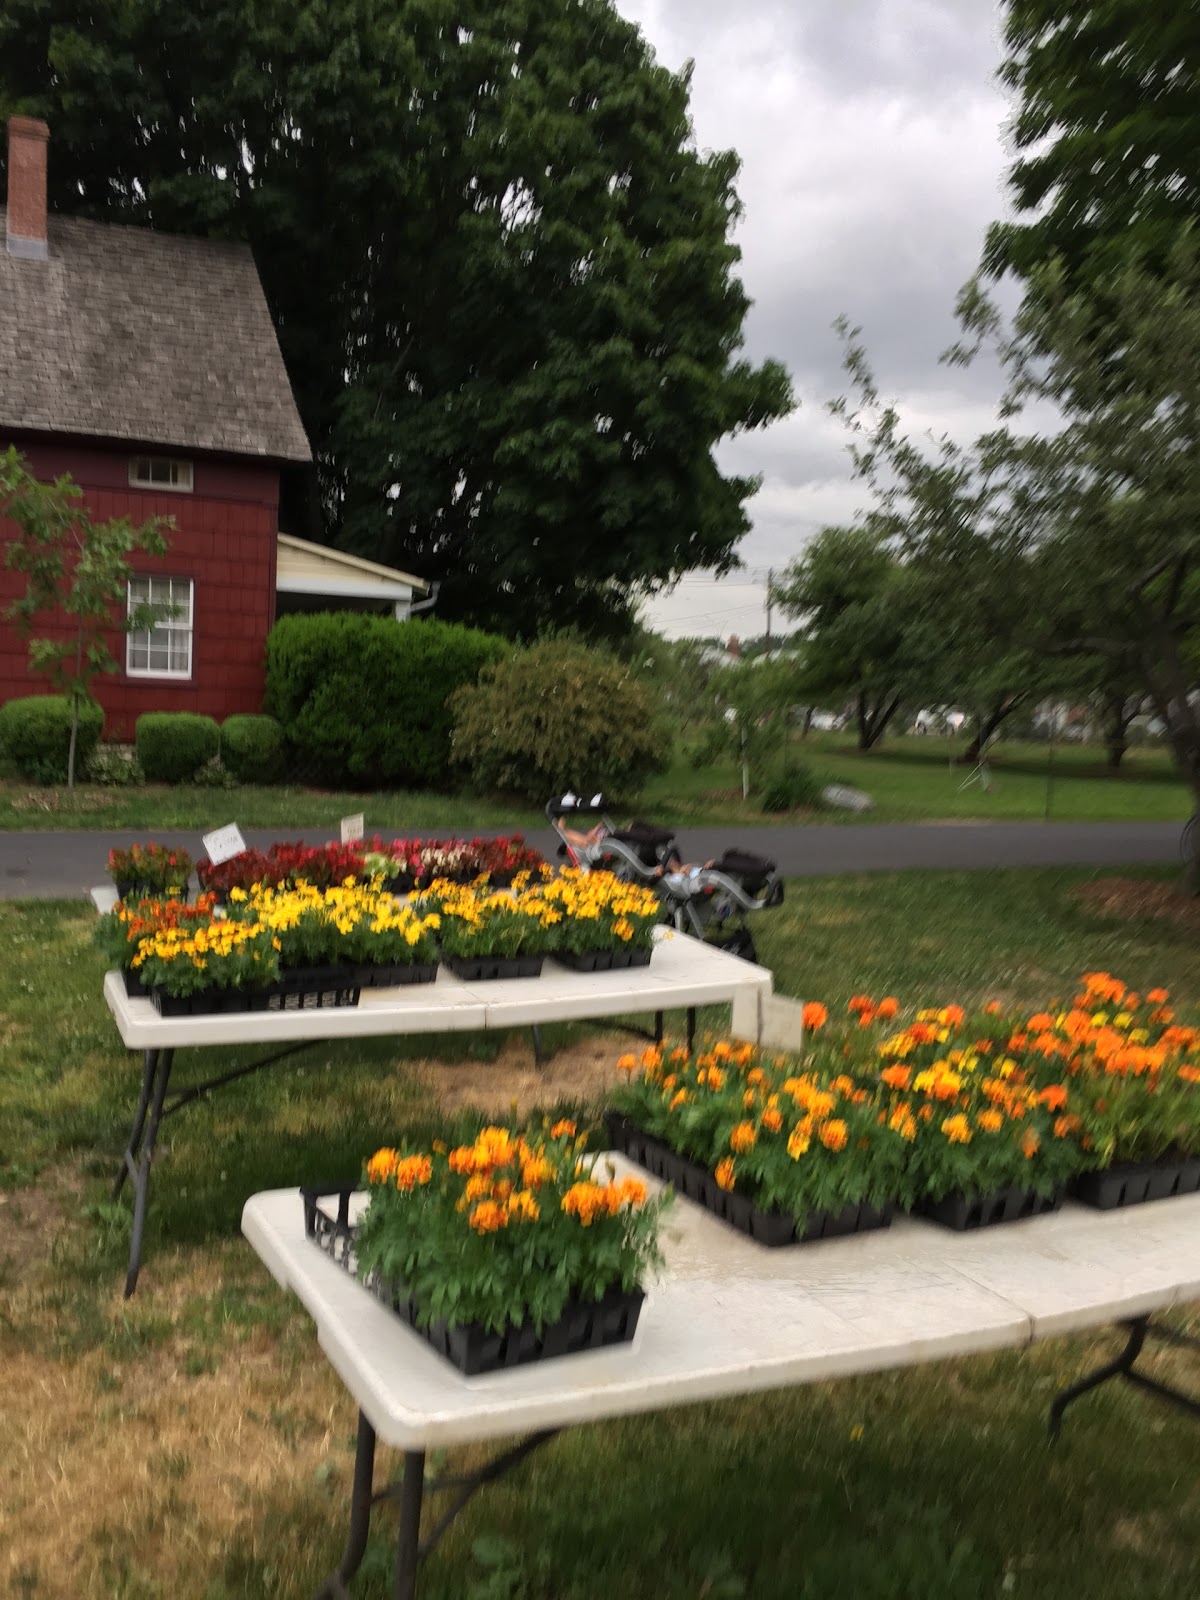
165 650
161 472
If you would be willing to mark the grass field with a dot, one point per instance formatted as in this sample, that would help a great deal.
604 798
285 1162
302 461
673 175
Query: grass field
909 779
194 1441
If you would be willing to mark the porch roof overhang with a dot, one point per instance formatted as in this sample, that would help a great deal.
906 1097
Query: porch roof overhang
306 568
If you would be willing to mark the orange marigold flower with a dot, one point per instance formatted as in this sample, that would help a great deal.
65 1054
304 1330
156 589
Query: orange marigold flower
798 1141
535 1171
1158 997
814 1015
743 1137
833 1134
1189 1073
413 1170
897 1077
1162 1014
1040 1022
992 1009
651 1057
887 1007
1063 1126
627 1063
842 1084
724 1173
903 1122
951 1016
488 1217
772 1120
1054 1096
957 1129
521 1204
860 1002
1030 1144
679 1098
382 1166
748 1099
563 1129
584 1200
990 1120
756 1075
633 1192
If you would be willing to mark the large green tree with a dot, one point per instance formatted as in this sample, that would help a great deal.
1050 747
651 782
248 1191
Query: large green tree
502 275
1107 133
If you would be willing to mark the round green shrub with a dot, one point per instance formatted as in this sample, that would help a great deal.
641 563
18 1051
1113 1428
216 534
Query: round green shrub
35 733
363 700
786 790
252 748
173 745
559 716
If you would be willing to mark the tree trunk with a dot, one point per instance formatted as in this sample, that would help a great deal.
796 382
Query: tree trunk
808 716
1168 683
71 746
864 738
988 726
875 724
1119 713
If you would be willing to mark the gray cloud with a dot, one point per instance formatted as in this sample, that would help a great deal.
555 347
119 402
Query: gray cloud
871 134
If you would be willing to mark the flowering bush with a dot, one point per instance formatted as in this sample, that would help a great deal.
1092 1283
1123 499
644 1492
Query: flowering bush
507 1229
790 1140
351 923
599 912
150 866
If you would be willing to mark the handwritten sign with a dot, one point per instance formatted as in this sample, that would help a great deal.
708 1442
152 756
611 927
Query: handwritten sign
224 843
352 828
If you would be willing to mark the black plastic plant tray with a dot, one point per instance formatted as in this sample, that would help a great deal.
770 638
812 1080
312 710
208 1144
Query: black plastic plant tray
482 969
697 1183
1131 1183
473 1349
967 1211
149 891
392 974
134 987
302 989
603 960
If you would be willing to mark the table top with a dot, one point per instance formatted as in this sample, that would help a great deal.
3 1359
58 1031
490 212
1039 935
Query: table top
683 972
730 1317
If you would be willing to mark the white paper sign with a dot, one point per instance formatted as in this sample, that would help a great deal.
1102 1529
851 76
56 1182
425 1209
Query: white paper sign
352 828
224 843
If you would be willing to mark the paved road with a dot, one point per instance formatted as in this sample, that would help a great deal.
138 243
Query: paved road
66 864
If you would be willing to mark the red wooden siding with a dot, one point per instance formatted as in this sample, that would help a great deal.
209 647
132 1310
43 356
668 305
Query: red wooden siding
224 540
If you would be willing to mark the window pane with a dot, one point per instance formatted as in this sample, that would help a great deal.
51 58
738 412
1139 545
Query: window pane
139 659
179 652
159 661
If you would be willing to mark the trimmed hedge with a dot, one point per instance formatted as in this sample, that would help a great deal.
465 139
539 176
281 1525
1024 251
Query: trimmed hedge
35 732
363 700
252 748
559 716
173 745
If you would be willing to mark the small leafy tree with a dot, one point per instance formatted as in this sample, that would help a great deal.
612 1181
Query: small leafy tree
758 697
77 568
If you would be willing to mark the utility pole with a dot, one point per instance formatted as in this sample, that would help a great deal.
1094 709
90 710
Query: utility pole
770 584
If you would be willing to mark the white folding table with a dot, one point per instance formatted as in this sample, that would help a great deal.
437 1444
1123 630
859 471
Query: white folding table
731 1317
683 973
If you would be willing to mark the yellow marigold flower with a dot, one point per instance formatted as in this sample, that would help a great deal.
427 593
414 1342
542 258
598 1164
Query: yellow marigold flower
743 1137
798 1142
521 1204
990 1121
772 1120
724 1173
957 1129
584 1200
679 1098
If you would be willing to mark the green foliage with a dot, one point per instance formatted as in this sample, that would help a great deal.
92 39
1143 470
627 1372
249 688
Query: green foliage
757 697
173 745
75 568
558 716
1107 128
789 788
35 733
252 748
531 280
112 767
365 700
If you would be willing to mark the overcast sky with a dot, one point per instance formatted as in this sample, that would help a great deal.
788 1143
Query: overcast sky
871 134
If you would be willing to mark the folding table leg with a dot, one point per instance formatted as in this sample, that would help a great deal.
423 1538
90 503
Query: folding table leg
129 1159
408 1545
361 1500
141 1171
1140 1329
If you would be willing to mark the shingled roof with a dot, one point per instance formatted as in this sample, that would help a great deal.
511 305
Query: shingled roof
124 333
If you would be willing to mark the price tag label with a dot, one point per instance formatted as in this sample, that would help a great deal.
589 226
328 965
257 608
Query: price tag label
224 843
352 829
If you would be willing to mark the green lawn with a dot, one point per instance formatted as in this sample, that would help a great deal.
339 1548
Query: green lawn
909 779
195 1442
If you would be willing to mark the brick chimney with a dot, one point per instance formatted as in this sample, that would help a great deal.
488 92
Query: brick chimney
27 140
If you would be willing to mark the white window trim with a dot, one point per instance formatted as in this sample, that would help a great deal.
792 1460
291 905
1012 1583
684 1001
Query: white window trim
167 488
177 674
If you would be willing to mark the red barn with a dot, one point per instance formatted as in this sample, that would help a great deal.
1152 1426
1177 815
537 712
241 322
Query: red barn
146 366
